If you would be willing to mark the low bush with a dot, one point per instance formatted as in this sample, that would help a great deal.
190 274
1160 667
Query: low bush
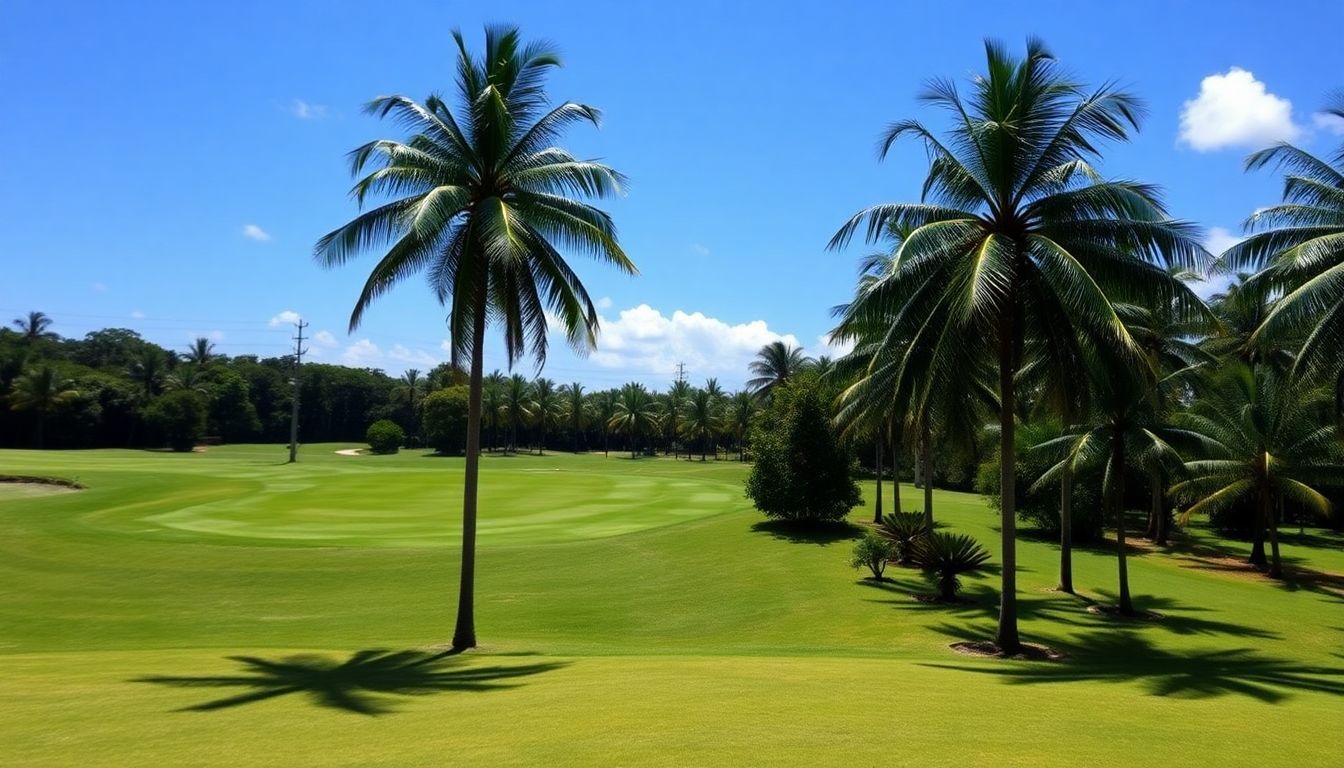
872 552
385 436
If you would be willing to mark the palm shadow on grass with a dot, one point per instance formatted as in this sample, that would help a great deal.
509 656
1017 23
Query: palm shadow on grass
1130 658
809 532
361 684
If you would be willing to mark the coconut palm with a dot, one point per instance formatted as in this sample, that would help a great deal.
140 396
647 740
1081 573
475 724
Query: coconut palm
547 408
518 407
481 199
187 377
715 391
673 405
492 404
408 389
1240 313
702 421
1020 245
604 410
1299 247
201 352
41 392
35 327
1265 443
576 411
635 415
775 364
741 409
150 369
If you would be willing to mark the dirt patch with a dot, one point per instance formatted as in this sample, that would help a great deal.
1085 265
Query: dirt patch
987 650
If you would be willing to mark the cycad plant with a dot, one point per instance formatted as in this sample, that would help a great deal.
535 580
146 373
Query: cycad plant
1265 442
1019 245
946 557
480 199
904 530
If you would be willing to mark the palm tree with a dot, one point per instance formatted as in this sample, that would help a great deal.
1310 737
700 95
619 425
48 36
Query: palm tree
481 198
41 392
35 327
1240 313
410 386
673 404
1299 247
741 409
201 352
775 364
1020 245
518 407
1265 443
702 421
575 411
492 404
604 410
149 370
712 387
636 414
547 408
187 377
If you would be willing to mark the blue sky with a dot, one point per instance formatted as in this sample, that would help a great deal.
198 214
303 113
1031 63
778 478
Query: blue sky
169 166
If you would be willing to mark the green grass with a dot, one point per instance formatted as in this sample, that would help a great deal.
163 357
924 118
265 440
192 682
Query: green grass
211 609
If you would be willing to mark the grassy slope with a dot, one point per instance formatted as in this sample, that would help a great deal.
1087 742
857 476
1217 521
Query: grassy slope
631 615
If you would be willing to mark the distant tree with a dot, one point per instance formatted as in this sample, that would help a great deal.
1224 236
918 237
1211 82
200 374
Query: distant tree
409 388
604 410
492 405
443 420
775 364
701 421
547 409
517 406
635 415
741 410
576 412
149 370
802 471
385 436
35 327
201 353
41 392
673 406
177 418
232 413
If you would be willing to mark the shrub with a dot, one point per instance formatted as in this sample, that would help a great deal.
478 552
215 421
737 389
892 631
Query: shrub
385 436
945 556
177 418
872 552
802 471
903 530
443 420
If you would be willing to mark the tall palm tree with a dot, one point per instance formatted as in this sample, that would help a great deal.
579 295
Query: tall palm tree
150 369
35 327
1020 245
702 421
1240 312
41 392
1265 443
576 411
636 414
518 407
604 410
712 387
547 408
187 377
673 405
480 200
1299 247
775 364
492 405
741 409
408 389
201 352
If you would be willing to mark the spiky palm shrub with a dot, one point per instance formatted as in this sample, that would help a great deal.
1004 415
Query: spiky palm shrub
904 530
945 557
482 200
1019 245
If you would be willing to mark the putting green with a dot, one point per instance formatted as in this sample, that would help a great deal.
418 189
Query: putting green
224 608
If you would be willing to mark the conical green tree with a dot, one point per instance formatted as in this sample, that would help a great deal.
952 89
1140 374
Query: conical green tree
482 201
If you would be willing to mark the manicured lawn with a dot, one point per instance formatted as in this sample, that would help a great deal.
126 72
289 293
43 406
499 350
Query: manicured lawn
222 609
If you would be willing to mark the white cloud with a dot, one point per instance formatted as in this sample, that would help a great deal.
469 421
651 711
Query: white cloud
288 317
215 335
324 339
643 340
307 111
137 315
411 357
1326 121
1236 110
700 249
253 232
603 303
362 354
100 287
1219 239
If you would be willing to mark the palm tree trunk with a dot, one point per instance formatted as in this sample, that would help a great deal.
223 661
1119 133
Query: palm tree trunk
464 635
1118 509
877 512
1159 510
1272 522
1007 638
895 470
1066 531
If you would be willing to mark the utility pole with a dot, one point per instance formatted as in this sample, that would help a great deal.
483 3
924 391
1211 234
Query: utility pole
681 372
294 413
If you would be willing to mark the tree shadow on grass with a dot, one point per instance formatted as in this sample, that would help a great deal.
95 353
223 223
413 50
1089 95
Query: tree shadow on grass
1128 657
360 684
809 532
